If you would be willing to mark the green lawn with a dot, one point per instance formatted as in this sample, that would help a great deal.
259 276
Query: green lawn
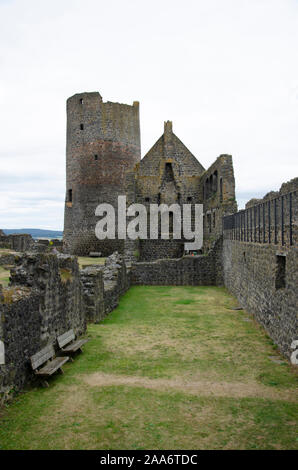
87 261
170 368
4 276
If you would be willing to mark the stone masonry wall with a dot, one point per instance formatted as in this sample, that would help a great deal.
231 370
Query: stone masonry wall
43 302
218 195
103 286
260 259
103 142
201 270
250 273
116 281
16 242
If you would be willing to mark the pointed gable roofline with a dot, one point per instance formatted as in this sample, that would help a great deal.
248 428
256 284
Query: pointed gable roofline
170 146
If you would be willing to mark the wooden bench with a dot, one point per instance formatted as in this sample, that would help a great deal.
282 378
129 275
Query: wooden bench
68 345
46 356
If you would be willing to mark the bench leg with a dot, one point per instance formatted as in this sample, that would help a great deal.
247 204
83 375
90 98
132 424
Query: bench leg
45 384
61 371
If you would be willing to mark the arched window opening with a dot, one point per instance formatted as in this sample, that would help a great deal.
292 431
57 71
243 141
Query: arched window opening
214 182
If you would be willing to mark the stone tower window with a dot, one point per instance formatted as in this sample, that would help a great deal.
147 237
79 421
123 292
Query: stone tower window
171 222
95 157
147 199
207 188
280 273
70 195
214 182
220 190
81 101
82 127
209 222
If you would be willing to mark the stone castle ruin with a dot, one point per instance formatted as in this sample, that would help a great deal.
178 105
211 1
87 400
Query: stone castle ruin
253 252
103 161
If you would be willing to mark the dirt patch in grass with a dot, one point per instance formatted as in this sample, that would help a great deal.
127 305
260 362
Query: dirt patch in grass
202 388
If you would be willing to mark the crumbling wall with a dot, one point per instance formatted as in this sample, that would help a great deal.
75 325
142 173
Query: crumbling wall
93 293
218 196
103 286
16 242
43 301
116 281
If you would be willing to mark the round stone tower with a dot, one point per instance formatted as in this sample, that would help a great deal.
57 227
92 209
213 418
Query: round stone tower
103 142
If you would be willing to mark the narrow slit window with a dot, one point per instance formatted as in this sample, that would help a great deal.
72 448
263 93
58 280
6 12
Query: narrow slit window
82 127
95 157
70 195
81 101
280 273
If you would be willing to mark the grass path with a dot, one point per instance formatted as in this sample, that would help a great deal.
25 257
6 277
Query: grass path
170 368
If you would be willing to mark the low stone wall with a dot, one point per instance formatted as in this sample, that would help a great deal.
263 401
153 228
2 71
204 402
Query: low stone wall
103 286
93 293
43 302
7 259
116 281
201 270
17 242
264 278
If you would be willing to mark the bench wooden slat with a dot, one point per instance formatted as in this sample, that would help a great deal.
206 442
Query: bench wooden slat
75 346
52 366
42 356
66 338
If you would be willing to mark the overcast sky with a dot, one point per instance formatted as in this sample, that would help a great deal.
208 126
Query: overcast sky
224 71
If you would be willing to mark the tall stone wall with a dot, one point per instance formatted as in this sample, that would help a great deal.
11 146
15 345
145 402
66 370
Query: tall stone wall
103 142
218 197
260 259
43 301
251 273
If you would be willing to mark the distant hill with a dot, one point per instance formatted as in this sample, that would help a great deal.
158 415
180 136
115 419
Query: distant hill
35 232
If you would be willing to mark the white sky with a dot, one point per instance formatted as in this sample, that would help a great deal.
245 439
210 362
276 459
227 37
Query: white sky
224 71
